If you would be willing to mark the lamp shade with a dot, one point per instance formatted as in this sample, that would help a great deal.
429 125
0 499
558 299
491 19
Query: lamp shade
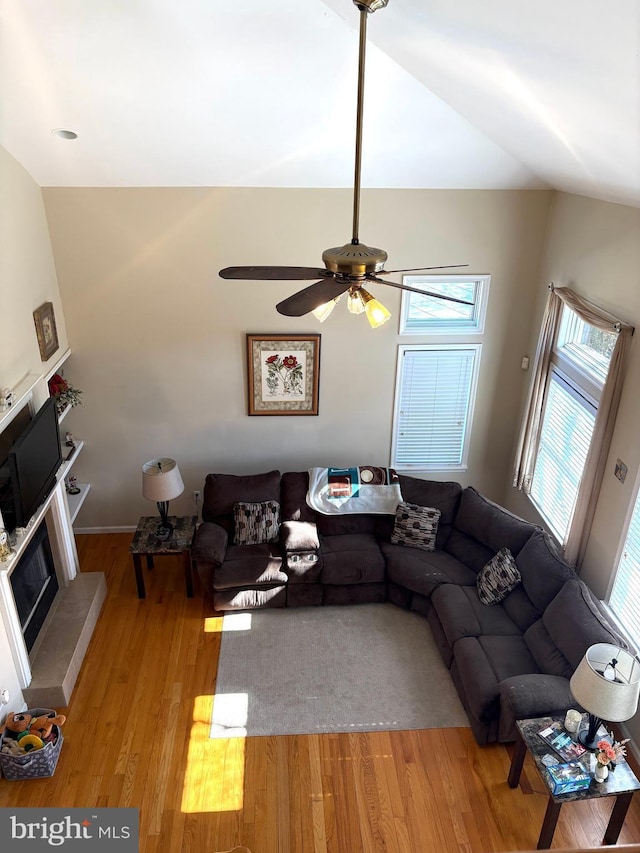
161 480
607 683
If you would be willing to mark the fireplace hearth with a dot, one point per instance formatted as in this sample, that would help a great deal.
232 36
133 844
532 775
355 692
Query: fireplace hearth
34 585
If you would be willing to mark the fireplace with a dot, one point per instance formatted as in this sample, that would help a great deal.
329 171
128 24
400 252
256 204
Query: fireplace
34 585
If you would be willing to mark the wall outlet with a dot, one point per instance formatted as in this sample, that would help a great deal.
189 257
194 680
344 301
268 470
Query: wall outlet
4 697
196 496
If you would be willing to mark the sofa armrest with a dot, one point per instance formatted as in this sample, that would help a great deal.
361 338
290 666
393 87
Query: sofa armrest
210 543
534 695
299 536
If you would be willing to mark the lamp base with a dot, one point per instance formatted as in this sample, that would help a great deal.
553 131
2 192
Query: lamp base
589 737
164 531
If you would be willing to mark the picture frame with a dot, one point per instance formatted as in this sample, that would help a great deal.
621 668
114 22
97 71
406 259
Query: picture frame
45 321
283 374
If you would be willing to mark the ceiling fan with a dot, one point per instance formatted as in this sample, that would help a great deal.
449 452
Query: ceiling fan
347 267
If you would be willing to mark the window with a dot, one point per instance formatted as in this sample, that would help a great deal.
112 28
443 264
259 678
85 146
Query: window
624 599
579 366
435 390
426 314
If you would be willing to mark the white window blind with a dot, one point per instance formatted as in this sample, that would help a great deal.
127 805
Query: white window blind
625 594
434 397
567 427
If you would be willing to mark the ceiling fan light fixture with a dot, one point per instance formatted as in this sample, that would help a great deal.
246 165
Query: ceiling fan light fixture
377 314
370 5
355 302
322 311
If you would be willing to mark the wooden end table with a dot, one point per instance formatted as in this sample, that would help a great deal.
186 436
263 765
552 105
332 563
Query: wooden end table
146 544
621 783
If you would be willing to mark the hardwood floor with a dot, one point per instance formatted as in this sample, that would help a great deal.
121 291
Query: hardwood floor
137 735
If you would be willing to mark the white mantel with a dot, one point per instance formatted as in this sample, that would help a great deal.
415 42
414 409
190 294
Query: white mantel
54 512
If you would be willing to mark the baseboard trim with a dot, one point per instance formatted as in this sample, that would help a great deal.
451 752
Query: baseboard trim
118 529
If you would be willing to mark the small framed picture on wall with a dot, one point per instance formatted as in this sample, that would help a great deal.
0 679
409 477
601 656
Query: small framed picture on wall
283 374
45 321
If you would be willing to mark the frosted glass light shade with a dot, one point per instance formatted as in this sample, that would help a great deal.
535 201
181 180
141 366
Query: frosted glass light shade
612 699
322 311
161 480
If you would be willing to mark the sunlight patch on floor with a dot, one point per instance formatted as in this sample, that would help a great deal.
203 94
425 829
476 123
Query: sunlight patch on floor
214 775
231 622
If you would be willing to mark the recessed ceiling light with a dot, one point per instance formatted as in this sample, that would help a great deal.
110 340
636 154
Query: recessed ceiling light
64 134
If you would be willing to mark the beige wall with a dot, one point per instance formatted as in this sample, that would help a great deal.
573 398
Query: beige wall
594 248
159 338
27 279
27 274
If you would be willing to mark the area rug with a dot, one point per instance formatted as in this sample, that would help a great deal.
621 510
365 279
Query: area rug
366 667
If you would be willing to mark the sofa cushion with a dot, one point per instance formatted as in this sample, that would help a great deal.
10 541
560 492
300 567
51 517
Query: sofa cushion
415 526
575 621
545 652
255 523
250 565
461 614
294 486
543 571
498 578
351 559
342 525
520 608
222 491
481 528
482 663
423 571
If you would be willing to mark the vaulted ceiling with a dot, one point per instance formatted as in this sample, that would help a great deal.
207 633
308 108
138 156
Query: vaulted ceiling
459 94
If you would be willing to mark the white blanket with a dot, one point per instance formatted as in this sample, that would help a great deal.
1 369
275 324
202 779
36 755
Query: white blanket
340 491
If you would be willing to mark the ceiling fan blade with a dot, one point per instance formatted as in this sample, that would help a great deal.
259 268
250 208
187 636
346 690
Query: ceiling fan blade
415 290
423 269
312 297
274 273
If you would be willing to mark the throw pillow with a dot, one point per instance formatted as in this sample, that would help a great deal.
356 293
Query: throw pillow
255 523
498 578
415 526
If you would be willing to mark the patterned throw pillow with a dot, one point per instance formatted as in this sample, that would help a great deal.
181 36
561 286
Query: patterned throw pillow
416 526
498 578
255 523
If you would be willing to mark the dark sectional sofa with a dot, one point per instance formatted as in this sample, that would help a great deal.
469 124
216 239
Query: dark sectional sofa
508 661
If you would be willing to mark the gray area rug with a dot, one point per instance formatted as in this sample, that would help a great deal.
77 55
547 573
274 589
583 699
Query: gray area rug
365 667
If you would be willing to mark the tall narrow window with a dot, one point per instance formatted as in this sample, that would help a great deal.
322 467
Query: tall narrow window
578 370
435 390
624 598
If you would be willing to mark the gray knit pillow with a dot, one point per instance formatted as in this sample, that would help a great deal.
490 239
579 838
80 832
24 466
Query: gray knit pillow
255 523
498 578
416 526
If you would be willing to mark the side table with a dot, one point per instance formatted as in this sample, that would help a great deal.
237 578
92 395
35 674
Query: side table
145 543
621 783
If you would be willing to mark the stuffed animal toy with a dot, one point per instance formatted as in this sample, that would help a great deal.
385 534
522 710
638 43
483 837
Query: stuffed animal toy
42 727
15 725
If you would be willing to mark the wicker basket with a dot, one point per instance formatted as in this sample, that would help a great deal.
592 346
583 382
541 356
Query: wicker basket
37 764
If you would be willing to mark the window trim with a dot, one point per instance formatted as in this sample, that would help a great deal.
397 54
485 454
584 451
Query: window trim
473 388
635 499
444 327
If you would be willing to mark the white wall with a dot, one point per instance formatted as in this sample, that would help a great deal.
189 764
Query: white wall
27 279
159 338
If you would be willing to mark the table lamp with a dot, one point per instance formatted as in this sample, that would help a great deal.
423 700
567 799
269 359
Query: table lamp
606 684
161 482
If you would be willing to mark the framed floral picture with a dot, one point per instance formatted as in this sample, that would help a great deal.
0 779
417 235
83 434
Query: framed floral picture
283 374
45 321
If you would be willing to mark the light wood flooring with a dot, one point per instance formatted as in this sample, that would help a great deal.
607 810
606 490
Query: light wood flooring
137 735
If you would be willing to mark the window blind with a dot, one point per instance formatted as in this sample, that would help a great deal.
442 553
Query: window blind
565 437
625 595
433 408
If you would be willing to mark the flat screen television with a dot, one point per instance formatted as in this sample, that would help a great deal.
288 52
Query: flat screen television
33 462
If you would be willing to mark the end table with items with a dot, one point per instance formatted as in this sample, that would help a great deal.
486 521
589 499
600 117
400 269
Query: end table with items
146 543
621 783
